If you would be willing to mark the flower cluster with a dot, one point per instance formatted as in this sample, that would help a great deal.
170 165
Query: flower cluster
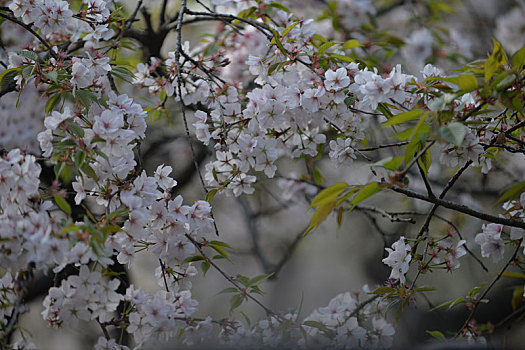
339 325
86 296
160 316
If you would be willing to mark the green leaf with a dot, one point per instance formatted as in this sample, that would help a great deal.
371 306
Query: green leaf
453 133
412 149
205 266
52 102
58 168
438 335
33 56
194 258
350 44
277 41
62 204
228 290
491 66
52 75
365 193
441 305
440 6
276 67
110 229
507 81
466 82
440 103
320 38
403 117
325 47
80 158
329 194
66 144
389 163
97 139
76 130
340 212
495 60
425 161
258 279
518 59
343 58
235 302
517 297
498 52
7 77
456 302
219 243
289 29
383 290
117 213
279 6
27 71
88 170
317 325
514 275
320 215
317 176
221 251
210 194
86 97
246 13
383 108
513 192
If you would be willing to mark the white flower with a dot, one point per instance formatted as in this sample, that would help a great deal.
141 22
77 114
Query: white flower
398 259
350 335
491 242
81 76
79 189
336 80
53 121
163 179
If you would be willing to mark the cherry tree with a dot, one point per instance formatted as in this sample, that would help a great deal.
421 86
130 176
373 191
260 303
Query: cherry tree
274 96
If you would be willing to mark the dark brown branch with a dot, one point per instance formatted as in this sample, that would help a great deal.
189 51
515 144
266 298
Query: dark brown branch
460 208
30 30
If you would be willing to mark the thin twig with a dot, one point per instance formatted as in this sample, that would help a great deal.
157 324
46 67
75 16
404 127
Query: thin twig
496 279
361 306
231 280
254 234
163 269
413 161
388 145
178 51
286 256
393 217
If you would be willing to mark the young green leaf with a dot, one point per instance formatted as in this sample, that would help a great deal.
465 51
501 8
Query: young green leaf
62 204
453 133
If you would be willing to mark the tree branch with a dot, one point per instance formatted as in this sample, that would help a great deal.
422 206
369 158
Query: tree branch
460 208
